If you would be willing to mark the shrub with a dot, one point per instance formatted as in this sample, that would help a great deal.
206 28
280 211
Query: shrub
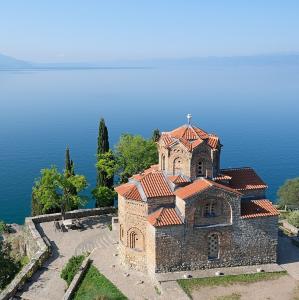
3 227
71 268
104 196
293 218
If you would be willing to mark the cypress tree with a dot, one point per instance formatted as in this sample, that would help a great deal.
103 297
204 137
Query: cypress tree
70 171
156 135
69 165
103 147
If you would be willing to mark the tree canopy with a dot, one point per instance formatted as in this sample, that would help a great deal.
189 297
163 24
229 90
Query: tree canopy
58 192
8 267
289 193
103 179
156 135
134 154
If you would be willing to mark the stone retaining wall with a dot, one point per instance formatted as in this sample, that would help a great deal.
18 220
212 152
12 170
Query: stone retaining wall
77 279
38 247
38 252
290 227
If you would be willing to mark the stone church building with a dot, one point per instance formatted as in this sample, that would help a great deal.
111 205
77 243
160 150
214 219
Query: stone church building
187 213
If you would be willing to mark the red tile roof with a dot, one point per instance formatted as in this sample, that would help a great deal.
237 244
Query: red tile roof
199 186
178 179
257 208
155 185
192 189
221 177
129 191
133 194
164 217
190 136
213 141
244 179
124 188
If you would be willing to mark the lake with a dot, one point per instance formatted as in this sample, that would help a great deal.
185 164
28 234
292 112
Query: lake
254 110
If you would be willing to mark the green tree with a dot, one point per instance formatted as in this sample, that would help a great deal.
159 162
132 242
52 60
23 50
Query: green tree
69 170
3 227
134 154
104 196
54 191
103 146
69 164
8 267
288 194
293 218
156 135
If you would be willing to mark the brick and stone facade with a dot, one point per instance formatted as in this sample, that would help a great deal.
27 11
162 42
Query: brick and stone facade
186 213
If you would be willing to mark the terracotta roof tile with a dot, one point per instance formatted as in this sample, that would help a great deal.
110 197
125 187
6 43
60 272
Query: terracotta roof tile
129 191
133 194
257 208
190 136
178 179
188 132
155 185
244 179
124 188
222 177
199 186
213 141
164 217
192 189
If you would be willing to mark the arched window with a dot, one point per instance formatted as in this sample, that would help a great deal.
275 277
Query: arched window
135 239
213 246
210 210
200 169
121 232
177 166
163 162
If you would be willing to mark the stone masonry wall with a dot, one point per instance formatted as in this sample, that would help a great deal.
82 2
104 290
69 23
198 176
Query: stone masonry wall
132 219
246 242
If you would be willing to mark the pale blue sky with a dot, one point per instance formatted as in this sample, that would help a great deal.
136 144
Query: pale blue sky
95 30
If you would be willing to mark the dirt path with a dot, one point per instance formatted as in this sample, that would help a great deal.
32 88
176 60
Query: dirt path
283 288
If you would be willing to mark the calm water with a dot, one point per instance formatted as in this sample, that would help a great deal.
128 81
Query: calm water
253 109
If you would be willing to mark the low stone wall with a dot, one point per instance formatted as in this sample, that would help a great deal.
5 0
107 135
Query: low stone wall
80 213
38 251
38 247
77 279
290 227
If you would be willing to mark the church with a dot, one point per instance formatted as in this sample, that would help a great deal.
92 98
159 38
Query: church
187 213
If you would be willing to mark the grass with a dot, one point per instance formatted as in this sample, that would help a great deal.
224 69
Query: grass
96 286
233 296
24 261
157 290
188 285
284 214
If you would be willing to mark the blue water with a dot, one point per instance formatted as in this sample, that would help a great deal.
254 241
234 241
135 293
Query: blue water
254 109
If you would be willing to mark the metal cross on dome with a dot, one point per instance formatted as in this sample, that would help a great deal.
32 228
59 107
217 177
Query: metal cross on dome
189 117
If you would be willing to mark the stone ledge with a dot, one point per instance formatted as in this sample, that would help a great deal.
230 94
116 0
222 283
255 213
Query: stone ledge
77 279
173 276
43 245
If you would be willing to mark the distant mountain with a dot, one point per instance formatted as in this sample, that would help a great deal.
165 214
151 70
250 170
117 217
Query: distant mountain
7 62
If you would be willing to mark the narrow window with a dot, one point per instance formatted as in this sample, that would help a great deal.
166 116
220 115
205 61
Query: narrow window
200 169
133 239
210 210
121 232
163 162
207 209
213 246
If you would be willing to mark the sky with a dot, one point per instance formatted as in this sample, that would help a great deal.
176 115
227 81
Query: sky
95 30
